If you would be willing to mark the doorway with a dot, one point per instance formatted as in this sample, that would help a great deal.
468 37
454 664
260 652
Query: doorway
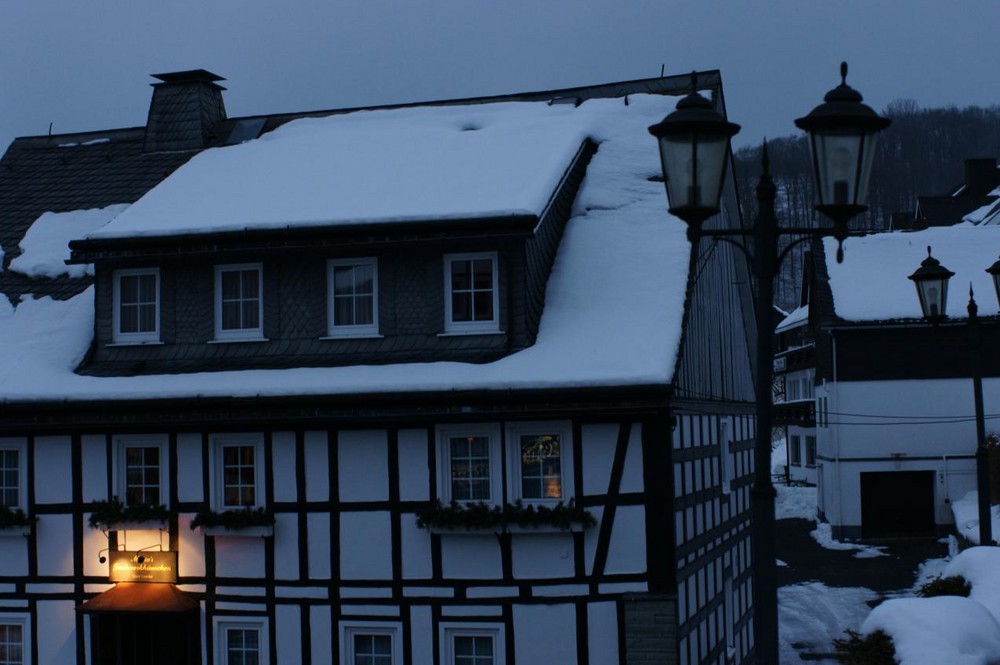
897 503
139 638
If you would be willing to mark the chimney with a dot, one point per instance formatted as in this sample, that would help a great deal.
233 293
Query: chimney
981 176
185 107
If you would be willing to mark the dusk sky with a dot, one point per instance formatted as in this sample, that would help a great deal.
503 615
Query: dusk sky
86 65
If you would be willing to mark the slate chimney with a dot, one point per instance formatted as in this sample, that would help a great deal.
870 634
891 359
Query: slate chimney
185 107
981 176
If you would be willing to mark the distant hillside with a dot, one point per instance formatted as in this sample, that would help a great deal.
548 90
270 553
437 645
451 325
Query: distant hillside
922 153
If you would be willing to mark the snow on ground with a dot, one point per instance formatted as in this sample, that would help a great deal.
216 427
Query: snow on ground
814 614
936 631
823 535
888 259
613 305
795 502
966 513
980 566
45 247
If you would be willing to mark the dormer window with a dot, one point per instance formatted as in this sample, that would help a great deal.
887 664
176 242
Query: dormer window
471 294
136 306
352 297
239 302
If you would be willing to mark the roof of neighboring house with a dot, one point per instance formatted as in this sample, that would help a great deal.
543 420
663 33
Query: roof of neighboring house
615 299
872 284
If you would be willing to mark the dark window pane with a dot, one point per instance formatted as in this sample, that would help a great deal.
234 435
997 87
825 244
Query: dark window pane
147 288
482 274
251 283
460 275
364 311
343 311
251 315
231 315
483 305
460 306
128 319
230 285
364 279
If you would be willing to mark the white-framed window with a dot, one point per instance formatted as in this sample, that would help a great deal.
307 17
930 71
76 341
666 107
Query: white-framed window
13 474
14 639
469 457
136 306
239 471
810 450
794 450
142 469
352 297
371 643
541 462
472 644
239 302
241 641
471 294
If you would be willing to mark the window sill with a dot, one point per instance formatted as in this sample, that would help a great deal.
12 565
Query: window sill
135 343
245 532
238 340
148 525
511 529
360 335
468 333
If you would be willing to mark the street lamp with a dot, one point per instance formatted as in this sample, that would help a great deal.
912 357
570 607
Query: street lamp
694 144
931 280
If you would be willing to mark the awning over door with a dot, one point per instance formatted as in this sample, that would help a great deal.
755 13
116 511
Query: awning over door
140 597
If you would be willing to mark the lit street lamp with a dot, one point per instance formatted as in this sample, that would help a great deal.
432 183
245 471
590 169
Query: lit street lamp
931 280
694 147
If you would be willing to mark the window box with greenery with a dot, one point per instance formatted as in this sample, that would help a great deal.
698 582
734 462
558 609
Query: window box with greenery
516 517
115 515
239 522
14 522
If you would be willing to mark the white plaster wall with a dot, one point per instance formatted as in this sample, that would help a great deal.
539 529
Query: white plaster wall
416 543
14 555
95 467
538 555
317 466
465 556
53 471
598 449
414 476
627 553
421 634
239 556
365 546
363 465
283 465
189 485
55 630
191 548
93 542
319 545
288 634
590 537
286 546
545 634
319 623
632 473
603 644
54 534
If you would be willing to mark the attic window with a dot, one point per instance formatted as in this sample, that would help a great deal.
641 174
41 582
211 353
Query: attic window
245 130
239 302
471 293
136 314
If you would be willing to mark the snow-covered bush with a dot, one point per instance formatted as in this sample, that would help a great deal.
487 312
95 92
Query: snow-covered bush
875 648
955 585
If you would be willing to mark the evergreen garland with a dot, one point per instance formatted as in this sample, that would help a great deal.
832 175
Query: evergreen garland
15 517
114 511
233 520
474 516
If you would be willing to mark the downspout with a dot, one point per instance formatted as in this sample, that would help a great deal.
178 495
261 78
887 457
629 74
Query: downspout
835 431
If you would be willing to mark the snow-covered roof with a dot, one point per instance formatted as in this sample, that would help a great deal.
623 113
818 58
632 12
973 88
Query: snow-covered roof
45 246
872 283
797 317
613 305
987 215
415 164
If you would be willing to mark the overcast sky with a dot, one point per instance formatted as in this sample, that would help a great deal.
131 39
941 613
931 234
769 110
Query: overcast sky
85 65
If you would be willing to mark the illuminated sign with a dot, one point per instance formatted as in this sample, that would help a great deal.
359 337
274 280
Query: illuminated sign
125 566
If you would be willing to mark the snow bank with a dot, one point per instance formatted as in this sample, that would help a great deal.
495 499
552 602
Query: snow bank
980 566
613 305
823 534
45 246
794 502
814 614
966 513
935 631
872 283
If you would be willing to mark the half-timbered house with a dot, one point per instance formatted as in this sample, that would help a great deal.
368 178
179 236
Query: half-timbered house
437 383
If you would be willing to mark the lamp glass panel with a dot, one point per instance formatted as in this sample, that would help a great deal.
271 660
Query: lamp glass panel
693 166
933 297
996 285
835 156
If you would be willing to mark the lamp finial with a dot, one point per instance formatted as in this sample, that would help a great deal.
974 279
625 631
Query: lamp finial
843 73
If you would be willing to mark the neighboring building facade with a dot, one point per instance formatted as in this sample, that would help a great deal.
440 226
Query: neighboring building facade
894 416
439 383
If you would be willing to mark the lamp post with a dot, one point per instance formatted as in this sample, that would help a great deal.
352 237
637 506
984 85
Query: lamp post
931 280
694 147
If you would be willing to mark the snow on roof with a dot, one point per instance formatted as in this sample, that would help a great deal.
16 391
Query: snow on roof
872 283
45 246
988 214
613 305
798 316
461 162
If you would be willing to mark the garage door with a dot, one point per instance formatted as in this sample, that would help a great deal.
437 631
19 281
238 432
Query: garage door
897 503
